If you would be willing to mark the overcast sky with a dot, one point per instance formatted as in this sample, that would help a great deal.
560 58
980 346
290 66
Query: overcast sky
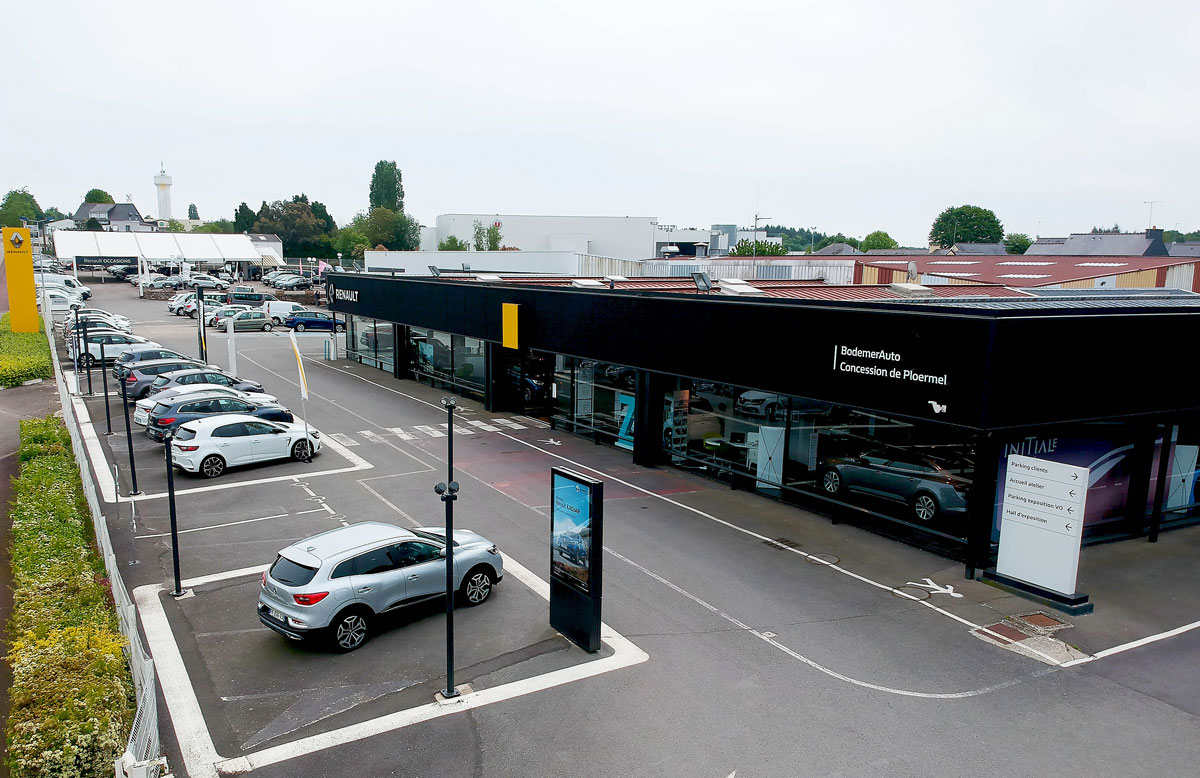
849 116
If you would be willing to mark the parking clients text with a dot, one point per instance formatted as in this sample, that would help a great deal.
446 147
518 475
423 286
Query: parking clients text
884 371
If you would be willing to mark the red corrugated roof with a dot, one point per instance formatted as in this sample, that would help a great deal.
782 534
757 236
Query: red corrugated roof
1026 269
885 292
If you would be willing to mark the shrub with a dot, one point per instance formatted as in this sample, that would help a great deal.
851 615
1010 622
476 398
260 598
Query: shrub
72 695
24 356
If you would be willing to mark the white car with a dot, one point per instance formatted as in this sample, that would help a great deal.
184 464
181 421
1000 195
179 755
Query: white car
118 317
142 408
58 300
175 304
114 343
97 321
211 446
62 279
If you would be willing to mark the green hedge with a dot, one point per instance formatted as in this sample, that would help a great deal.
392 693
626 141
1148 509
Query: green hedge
72 695
23 355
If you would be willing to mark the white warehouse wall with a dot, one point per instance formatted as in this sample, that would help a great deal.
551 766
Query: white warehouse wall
623 237
416 263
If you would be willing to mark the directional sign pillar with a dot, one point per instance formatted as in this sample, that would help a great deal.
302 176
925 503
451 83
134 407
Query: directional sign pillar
1041 528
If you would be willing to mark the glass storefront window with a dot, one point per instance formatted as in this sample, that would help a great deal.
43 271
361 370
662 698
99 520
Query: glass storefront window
446 361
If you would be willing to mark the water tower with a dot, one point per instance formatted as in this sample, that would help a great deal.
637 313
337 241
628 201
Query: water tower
162 182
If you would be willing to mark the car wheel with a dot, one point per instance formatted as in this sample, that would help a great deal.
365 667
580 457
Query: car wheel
299 327
212 466
191 314
831 482
925 506
275 320
477 586
349 629
528 395
302 450
267 327
87 360
338 328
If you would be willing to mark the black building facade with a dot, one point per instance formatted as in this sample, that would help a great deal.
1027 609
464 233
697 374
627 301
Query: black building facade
898 416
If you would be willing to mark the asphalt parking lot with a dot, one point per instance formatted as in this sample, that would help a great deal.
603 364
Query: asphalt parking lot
736 623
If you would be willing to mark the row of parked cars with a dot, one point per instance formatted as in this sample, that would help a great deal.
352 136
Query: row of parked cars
291 280
214 419
245 311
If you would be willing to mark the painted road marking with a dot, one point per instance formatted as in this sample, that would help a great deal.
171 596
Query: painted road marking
195 742
430 431
400 433
343 438
104 476
512 425
228 524
1134 644
769 638
935 588
483 425
815 559
458 429
532 422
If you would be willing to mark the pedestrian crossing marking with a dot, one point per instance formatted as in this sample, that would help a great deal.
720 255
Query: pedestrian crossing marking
459 430
483 425
343 438
400 433
430 431
512 425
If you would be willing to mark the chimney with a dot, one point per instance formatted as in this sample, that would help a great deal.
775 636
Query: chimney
1154 232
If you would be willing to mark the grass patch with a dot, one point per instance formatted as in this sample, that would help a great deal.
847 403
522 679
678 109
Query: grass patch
24 356
72 694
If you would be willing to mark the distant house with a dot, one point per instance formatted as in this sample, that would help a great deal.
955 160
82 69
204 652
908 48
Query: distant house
1183 249
837 248
1117 244
113 217
977 249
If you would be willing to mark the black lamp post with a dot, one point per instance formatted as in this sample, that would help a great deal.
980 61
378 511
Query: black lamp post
449 493
168 438
104 383
128 431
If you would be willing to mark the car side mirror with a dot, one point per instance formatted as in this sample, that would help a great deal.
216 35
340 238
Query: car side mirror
442 553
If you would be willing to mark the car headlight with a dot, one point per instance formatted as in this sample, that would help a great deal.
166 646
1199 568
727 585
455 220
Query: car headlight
314 433
493 550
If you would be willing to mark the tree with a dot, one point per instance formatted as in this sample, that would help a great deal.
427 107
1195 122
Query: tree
453 244
192 212
965 224
220 226
53 214
328 225
493 238
243 218
746 248
174 225
394 231
92 225
302 233
799 239
1114 230
19 204
387 190
98 196
351 240
878 240
1017 243
829 240
480 236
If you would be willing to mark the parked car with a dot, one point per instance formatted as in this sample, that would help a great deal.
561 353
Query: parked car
62 279
314 320
333 585
120 271
293 284
165 282
170 414
138 376
202 374
211 446
94 321
175 304
82 292
247 298
191 308
254 319
929 487
218 316
102 312
113 342
280 276
144 353
278 310
268 277
58 300
141 409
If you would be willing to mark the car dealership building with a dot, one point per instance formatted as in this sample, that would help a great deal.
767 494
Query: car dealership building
892 407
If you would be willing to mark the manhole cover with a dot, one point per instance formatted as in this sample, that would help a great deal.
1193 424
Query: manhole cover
822 559
913 593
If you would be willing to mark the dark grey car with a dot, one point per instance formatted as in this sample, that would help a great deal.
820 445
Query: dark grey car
137 354
138 376
177 410
927 486
201 374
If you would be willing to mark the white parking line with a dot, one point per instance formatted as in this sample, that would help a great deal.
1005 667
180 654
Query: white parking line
1134 644
195 741
104 476
228 524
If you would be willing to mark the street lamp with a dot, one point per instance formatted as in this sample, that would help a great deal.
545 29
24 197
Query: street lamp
448 492
168 439
754 235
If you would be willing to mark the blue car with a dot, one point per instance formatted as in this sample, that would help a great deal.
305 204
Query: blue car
314 320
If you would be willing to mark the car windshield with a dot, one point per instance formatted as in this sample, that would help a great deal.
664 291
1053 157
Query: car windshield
288 572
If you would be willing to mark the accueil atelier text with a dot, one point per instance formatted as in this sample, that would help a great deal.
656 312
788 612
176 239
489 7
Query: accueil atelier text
881 370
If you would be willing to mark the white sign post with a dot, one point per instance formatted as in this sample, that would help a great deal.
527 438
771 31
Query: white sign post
1041 523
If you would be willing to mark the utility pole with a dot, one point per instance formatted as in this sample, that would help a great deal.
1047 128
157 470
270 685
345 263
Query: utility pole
1151 203
754 235
449 493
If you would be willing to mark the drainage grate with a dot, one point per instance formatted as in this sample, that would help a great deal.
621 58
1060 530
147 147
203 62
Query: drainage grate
1042 623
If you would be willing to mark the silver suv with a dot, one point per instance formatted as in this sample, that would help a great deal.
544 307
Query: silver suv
336 583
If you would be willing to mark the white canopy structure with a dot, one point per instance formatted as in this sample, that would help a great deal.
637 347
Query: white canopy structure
157 247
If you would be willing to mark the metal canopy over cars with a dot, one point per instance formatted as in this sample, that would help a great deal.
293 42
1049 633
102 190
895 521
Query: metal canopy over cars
156 246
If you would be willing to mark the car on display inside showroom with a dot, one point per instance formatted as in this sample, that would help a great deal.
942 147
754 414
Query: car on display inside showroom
170 414
141 409
333 585
930 488
212 445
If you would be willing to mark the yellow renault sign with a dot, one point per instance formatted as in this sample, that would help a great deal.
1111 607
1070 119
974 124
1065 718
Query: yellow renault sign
18 271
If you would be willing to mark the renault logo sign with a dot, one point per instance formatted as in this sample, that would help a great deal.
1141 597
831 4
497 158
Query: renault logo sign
16 240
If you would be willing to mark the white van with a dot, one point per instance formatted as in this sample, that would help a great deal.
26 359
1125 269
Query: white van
59 299
278 310
60 279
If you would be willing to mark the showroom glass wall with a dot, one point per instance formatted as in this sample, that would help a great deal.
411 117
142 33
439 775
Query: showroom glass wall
371 342
447 361
911 477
